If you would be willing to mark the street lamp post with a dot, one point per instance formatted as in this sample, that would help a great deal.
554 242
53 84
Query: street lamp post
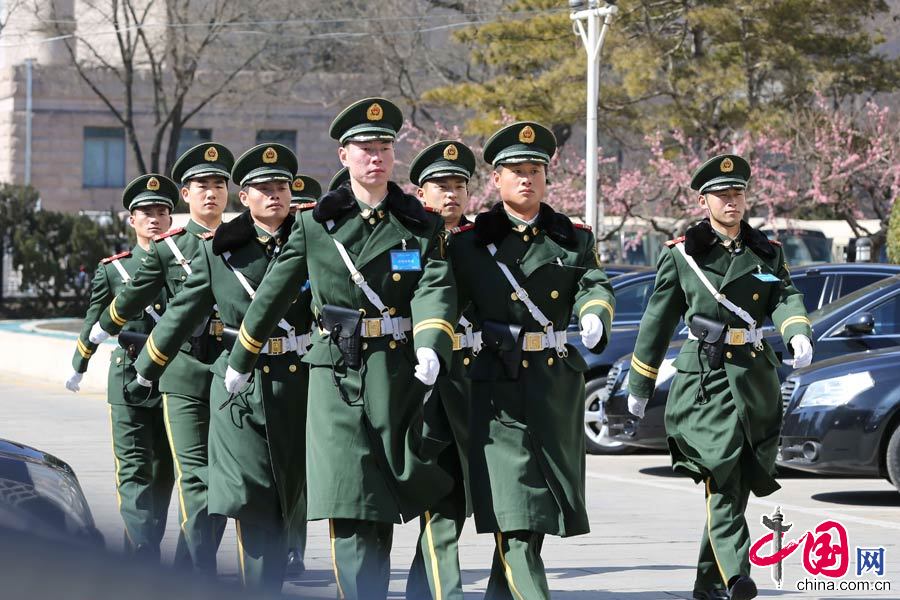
586 18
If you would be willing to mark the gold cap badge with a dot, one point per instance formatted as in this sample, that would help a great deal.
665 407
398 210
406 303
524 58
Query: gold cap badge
298 185
727 166
269 155
374 112
211 154
451 152
526 136
153 184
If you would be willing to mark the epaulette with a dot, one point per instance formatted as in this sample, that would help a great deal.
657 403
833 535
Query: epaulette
109 259
461 228
169 233
431 210
672 243
306 205
775 242
582 226
207 235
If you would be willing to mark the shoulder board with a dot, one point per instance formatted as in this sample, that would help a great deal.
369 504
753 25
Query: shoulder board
462 228
207 235
306 205
582 226
775 242
109 259
170 233
677 240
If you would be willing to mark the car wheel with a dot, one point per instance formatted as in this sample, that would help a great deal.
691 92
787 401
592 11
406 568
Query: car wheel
892 460
596 434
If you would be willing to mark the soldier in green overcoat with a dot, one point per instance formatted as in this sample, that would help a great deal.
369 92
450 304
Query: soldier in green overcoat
723 413
441 172
256 441
144 471
383 293
525 268
203 172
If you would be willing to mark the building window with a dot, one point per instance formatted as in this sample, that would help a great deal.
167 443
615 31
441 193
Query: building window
104 157
192 137
287 137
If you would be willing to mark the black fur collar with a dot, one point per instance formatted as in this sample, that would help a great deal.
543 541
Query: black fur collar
700 238
494 225
408 209
240 230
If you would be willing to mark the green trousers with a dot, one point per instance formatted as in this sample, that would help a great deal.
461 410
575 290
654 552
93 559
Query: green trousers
296 533
435 572
517 572
361 558
725 544
262 556
187 425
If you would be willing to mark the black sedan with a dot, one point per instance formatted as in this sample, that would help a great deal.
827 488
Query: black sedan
842 416
864 319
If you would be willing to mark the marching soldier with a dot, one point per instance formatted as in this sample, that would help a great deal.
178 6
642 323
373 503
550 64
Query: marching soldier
383 293
723 414
144 471
256 439
442 173
203 172
525 268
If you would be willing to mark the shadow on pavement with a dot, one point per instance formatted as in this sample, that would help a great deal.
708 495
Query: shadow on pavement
863 498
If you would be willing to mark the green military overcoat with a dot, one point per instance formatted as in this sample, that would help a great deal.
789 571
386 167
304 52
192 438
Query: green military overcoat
743 411
256 440
365 458
527 455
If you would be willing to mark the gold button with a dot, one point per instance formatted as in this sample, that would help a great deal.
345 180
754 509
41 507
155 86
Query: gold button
466 361
392 311
524 364
118 359
392 345
365 346
756 296
534 230
218 338
372 221
752 354
554 294
292 368
157 306
526 237
396 276
550 361
728 355
514 296
266 369
183 277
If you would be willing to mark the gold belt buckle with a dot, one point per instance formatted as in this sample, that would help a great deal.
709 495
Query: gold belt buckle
457 341
372 328
276 346
216 327
534 342
738 337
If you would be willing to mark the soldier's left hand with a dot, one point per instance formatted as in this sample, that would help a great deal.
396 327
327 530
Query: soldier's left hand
591 330
428 367
803 352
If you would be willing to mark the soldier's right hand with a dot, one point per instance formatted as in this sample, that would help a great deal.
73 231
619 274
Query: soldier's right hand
235 382
637 405
98 334
73 381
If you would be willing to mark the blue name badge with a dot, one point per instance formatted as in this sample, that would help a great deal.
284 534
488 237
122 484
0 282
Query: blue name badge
406 260
767 277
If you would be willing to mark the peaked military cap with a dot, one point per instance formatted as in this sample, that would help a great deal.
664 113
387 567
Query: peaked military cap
148 189
204 160
305 189
265 162
525 141
339 178
442 159
722 172
366 120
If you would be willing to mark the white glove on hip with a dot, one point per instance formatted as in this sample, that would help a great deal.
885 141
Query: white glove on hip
591 330
141 381
637 405
98 335
428 367
235 382
73 381
803 351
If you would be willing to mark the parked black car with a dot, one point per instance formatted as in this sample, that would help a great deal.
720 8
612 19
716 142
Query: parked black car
842 416
851 319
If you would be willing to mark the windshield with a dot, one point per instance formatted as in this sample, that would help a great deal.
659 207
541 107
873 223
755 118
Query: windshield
838 304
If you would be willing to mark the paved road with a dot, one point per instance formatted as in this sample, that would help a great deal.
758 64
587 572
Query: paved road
645 523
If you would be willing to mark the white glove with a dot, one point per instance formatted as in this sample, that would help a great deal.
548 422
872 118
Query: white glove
803 351
73 381
637 405
235 382
591 330
98 334
141 381
428 367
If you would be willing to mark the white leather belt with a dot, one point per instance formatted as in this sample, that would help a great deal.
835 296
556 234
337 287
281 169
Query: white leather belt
376 328
738 337
537 341
277 346
471 340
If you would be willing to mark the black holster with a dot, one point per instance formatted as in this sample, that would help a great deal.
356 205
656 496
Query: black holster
505 340
345 327
133 342
711 335
200 342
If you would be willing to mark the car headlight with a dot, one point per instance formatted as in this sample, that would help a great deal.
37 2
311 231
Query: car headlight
667 371
837 390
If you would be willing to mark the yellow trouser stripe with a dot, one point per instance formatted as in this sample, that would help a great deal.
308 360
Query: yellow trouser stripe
441 324
112 439
155 355
114 314
84 350
337 577
603 303
435 571
240 551
792 320
178 473
709 532
506 568
642 371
